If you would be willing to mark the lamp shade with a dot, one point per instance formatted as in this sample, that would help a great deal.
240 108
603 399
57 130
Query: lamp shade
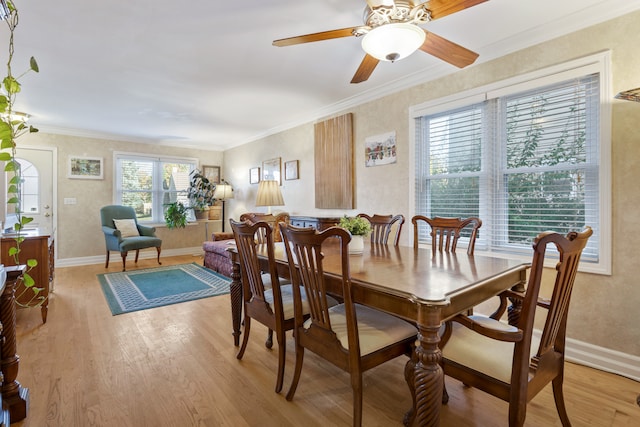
223 192
391 42
269 194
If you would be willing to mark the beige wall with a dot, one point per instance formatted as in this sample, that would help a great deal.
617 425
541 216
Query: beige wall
604 309
79 233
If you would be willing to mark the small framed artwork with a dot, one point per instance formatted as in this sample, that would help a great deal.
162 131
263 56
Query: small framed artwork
271 170
85 167
380 149
291 170
212 173
254 175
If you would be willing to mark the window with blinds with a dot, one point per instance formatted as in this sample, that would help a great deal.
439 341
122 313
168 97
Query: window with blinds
451 154
524 162
148 184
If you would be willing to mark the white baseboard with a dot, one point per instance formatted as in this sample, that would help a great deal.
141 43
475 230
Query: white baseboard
601 358
151 254
579 352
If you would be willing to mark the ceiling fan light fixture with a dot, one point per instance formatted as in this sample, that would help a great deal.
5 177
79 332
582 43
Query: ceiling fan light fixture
392 42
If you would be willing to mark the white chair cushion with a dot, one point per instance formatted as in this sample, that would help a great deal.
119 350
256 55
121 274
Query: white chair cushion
266 281
483 354
287 300
376 329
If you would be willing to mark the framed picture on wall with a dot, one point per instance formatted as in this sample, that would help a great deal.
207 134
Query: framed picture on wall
271 170
85 167
291 170
380 149
212 173
254 175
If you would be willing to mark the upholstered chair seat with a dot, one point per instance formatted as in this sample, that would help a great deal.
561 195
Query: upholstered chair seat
496 357
376 330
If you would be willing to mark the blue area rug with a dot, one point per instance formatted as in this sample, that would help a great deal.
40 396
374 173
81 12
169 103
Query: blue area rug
154 287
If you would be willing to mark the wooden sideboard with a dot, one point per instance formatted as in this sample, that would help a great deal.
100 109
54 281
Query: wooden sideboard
317 222
35 246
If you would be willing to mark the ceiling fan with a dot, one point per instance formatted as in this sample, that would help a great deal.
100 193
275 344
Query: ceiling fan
391 32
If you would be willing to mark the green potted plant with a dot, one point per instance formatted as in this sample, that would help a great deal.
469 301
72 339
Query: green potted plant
175 216
358 227
200 193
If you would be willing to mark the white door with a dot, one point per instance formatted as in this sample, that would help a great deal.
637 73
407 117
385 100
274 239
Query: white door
38 188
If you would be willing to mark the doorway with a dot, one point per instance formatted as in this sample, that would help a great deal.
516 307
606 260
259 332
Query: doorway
39 187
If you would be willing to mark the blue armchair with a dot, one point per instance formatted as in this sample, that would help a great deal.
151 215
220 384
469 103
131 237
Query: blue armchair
123 240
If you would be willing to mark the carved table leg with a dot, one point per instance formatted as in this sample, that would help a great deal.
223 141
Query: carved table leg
427 375
236 302
14 396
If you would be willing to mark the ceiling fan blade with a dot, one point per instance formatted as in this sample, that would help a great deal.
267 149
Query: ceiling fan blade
365 69
315 37
448 51
440 8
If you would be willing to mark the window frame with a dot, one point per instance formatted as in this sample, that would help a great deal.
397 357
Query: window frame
598 63
157 180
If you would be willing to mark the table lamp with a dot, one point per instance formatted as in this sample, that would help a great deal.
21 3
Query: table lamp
223 191
269 195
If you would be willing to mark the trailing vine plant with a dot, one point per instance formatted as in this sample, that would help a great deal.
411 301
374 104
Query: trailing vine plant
11 128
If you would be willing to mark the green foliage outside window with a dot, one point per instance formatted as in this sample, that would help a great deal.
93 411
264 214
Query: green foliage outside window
552 137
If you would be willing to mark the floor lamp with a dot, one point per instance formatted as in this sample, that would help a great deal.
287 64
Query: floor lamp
223 191
269 194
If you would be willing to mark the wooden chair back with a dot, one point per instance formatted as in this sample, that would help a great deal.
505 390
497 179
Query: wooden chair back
304 245
324 332
382 225
260 302
531 366
272 220
445 232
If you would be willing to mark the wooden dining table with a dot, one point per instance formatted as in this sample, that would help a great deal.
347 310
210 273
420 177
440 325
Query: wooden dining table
416 285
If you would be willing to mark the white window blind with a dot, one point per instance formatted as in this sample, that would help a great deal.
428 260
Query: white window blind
549 166
451 159
524 162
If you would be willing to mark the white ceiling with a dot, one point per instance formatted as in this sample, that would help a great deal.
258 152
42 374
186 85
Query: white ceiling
204 73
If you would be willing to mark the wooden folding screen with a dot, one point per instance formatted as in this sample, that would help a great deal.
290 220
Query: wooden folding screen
334 163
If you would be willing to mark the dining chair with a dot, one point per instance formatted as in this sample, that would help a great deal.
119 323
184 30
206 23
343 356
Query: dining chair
382 225
351 336
273 221
445 232
265 298
508 360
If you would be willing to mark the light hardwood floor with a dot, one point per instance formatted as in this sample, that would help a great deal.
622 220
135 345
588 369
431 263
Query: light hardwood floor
176 366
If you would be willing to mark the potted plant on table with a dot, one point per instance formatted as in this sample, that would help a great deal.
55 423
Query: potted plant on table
358 227
200 193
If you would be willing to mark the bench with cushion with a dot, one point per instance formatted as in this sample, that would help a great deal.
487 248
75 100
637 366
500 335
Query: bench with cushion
216 255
